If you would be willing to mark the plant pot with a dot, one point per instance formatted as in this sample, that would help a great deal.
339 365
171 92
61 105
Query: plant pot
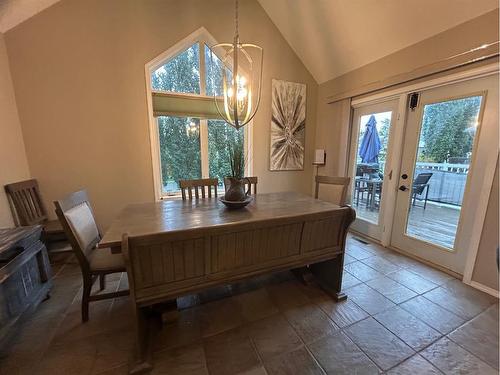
235 192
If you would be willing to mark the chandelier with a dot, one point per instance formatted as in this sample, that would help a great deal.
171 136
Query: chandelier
241 77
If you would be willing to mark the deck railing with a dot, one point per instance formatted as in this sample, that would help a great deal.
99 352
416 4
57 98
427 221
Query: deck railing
447 184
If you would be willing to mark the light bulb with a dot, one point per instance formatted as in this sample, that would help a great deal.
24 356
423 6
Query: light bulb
230 92
242 93
242 80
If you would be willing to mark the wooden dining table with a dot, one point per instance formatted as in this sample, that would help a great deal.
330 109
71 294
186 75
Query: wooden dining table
178 247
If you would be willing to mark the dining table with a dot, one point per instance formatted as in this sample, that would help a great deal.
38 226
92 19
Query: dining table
177 247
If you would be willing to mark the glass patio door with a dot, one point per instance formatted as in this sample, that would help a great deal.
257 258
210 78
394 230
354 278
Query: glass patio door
444 136
369 169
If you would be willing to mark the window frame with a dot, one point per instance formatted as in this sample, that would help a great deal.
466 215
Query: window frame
201 37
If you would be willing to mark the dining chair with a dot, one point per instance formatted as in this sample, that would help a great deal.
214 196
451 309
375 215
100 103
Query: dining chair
341 182
77 219
252 180
28 209
198 186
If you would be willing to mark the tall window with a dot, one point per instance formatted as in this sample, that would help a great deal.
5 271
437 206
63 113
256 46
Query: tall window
192 142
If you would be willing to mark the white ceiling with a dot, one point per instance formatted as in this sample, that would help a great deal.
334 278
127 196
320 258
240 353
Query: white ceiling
333 37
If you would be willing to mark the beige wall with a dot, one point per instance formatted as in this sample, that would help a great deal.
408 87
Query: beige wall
485 269
78 72
13 165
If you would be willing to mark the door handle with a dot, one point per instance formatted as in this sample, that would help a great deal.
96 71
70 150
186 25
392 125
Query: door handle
403 188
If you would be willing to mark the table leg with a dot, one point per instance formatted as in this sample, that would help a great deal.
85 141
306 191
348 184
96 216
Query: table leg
329 275
371 197
302 274
147 324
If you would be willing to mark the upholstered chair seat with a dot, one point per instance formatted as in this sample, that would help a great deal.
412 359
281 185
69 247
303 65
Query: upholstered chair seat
103 260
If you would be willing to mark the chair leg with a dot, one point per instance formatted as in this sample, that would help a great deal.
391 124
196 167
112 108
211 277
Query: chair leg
102 282
87 287
426 196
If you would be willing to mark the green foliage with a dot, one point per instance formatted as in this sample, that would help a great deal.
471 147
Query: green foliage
180 74
383 134
237 159
179 152
213 72
446 129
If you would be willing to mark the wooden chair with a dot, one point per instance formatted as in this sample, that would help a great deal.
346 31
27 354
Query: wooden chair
198 185
77 219
253 182
343 182
28 209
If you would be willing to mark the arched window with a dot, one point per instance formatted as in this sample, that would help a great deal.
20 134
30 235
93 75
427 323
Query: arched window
187 136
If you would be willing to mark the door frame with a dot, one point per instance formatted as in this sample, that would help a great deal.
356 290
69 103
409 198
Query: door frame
455 258
376 231
403 92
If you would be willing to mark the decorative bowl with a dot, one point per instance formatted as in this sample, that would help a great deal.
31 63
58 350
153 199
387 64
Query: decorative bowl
236 204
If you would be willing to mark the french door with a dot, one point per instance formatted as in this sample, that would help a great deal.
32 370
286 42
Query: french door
451 135
370 168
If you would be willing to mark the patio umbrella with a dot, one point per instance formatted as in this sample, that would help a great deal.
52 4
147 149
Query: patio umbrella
370 145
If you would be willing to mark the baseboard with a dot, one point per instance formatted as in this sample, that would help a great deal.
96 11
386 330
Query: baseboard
484 288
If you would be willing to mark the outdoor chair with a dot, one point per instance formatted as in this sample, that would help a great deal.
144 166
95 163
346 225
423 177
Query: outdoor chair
421 185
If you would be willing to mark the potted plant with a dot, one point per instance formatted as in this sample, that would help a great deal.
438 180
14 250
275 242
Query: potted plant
235 183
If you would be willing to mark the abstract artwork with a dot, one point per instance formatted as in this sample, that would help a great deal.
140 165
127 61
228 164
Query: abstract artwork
288 126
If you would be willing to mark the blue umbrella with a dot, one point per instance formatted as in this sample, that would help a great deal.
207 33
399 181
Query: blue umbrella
370 145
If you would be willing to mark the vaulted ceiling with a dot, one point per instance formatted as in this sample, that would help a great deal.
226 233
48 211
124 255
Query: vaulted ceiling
333 37
13 12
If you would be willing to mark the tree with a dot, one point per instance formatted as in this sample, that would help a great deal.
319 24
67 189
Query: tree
383 134
179 151
446 129
180 74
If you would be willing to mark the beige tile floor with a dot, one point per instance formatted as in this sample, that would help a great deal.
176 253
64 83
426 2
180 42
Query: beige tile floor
401 317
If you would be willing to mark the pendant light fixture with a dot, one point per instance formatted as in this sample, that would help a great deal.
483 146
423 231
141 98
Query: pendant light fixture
241 76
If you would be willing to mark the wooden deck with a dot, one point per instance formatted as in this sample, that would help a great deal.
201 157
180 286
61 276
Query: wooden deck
436 224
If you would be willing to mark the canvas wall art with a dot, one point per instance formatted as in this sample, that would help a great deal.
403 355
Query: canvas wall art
288 126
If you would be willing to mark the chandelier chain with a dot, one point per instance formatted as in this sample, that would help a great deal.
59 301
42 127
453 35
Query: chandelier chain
237 34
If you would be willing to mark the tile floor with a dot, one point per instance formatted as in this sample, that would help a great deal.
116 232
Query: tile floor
401 317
